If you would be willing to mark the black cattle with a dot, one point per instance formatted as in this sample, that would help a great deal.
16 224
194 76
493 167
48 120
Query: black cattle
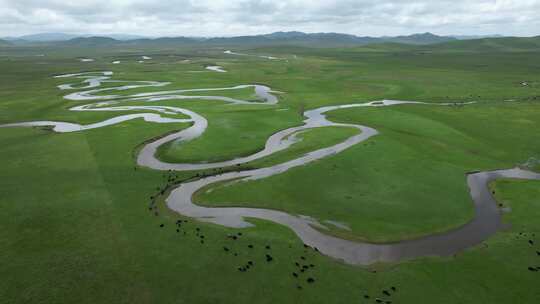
386 293
250 246
267 247
532 269
303 258
531 242
295 274
250 263
311 280
162 225
366 297
225 248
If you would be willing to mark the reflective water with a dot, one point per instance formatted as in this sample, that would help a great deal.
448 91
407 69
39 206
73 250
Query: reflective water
216 68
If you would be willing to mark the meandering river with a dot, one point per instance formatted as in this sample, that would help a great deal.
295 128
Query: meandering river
486 222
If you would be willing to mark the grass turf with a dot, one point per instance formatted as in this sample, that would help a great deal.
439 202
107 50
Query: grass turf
75 224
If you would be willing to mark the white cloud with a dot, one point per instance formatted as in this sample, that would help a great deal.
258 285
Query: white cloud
238 17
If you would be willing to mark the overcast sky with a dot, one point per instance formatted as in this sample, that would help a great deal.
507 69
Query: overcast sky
240 17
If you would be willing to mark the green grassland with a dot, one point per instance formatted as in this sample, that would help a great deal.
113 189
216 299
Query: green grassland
416 186
74 218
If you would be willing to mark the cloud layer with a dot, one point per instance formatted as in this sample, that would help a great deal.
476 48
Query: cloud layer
239 17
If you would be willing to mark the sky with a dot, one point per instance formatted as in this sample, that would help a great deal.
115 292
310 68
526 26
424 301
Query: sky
246 17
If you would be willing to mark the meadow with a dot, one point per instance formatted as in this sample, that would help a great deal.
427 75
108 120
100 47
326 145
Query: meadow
74 217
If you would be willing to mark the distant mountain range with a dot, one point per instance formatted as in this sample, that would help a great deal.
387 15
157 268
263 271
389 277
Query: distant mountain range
472 37
277 38
53 37
274 38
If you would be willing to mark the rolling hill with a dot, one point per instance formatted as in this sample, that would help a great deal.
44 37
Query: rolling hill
507 44
91 42
277 38
415 42
425 38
